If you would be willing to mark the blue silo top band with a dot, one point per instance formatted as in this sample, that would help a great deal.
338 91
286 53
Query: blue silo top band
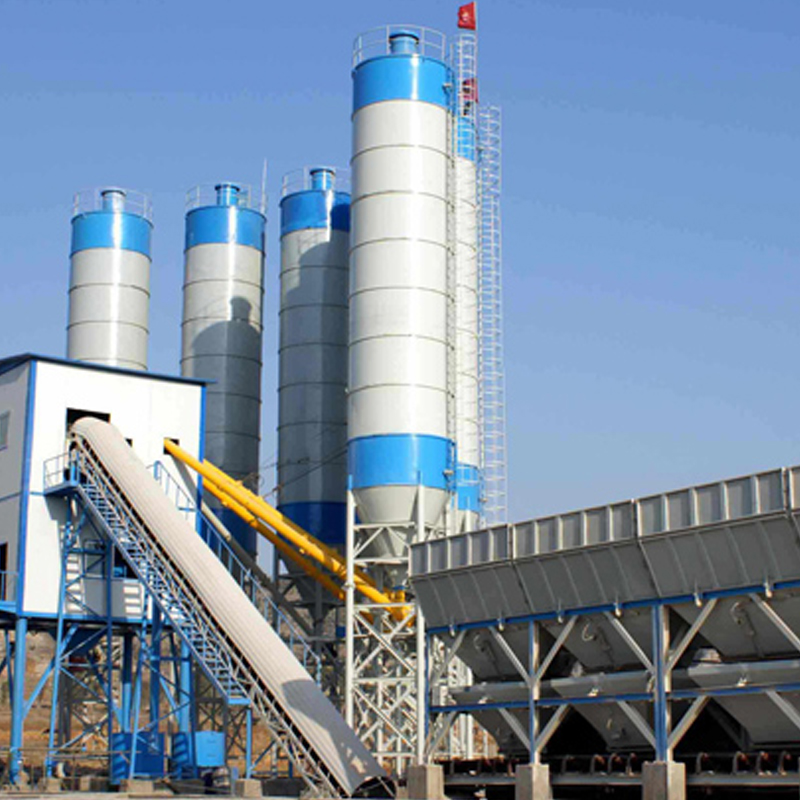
401 77
114 229
315 209
225 224
468 487
404 459
327 521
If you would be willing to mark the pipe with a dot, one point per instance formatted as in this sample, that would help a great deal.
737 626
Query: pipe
282 525
290 553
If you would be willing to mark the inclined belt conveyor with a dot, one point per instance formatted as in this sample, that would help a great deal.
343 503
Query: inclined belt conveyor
237 649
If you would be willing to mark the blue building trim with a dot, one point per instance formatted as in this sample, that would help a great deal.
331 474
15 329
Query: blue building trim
325 520
401 77
468 487
315 209
12 362
25 488
405 459
114 229
225 225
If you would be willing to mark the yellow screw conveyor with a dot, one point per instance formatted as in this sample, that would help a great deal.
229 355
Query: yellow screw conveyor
298 545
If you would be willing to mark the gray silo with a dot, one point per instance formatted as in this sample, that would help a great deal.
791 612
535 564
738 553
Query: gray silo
222 328
312 428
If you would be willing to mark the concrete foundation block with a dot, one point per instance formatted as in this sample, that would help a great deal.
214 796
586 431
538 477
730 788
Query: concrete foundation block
137 786
425 782
532 782
50 785
247 787
663 780
92 783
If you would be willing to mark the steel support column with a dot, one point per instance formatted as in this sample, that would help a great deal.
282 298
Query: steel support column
661 715
18 700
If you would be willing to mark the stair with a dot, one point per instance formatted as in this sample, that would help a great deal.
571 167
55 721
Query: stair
218 657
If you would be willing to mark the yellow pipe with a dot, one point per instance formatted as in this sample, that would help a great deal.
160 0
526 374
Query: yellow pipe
328 556
290 553
301 539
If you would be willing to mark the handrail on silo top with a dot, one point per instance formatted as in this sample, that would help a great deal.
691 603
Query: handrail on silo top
306 179
114 199
378 42
242 195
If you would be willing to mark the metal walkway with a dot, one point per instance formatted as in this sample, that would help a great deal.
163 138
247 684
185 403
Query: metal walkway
237 649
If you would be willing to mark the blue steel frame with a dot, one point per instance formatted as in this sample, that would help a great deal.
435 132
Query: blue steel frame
665 734
100 628
76 633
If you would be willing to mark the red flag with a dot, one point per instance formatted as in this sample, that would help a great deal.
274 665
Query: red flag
468 16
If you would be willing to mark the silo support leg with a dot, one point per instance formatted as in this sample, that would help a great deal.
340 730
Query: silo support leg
662 779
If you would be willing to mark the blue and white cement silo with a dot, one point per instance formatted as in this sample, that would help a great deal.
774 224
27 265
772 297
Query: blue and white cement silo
109 288
222 328
312 392
398 384
465 212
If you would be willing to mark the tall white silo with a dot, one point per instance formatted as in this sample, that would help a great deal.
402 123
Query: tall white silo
109 288
398 385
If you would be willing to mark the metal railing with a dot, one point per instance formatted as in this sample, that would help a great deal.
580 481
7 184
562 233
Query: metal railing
246 196
248 581
216 654
111 198
377 42
61 470
303 179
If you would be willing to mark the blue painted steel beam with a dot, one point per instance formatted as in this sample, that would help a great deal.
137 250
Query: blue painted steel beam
660 703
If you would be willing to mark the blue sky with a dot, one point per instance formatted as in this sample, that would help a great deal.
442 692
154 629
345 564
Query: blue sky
651 212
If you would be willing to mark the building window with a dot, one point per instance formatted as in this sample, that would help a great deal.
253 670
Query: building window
4 424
